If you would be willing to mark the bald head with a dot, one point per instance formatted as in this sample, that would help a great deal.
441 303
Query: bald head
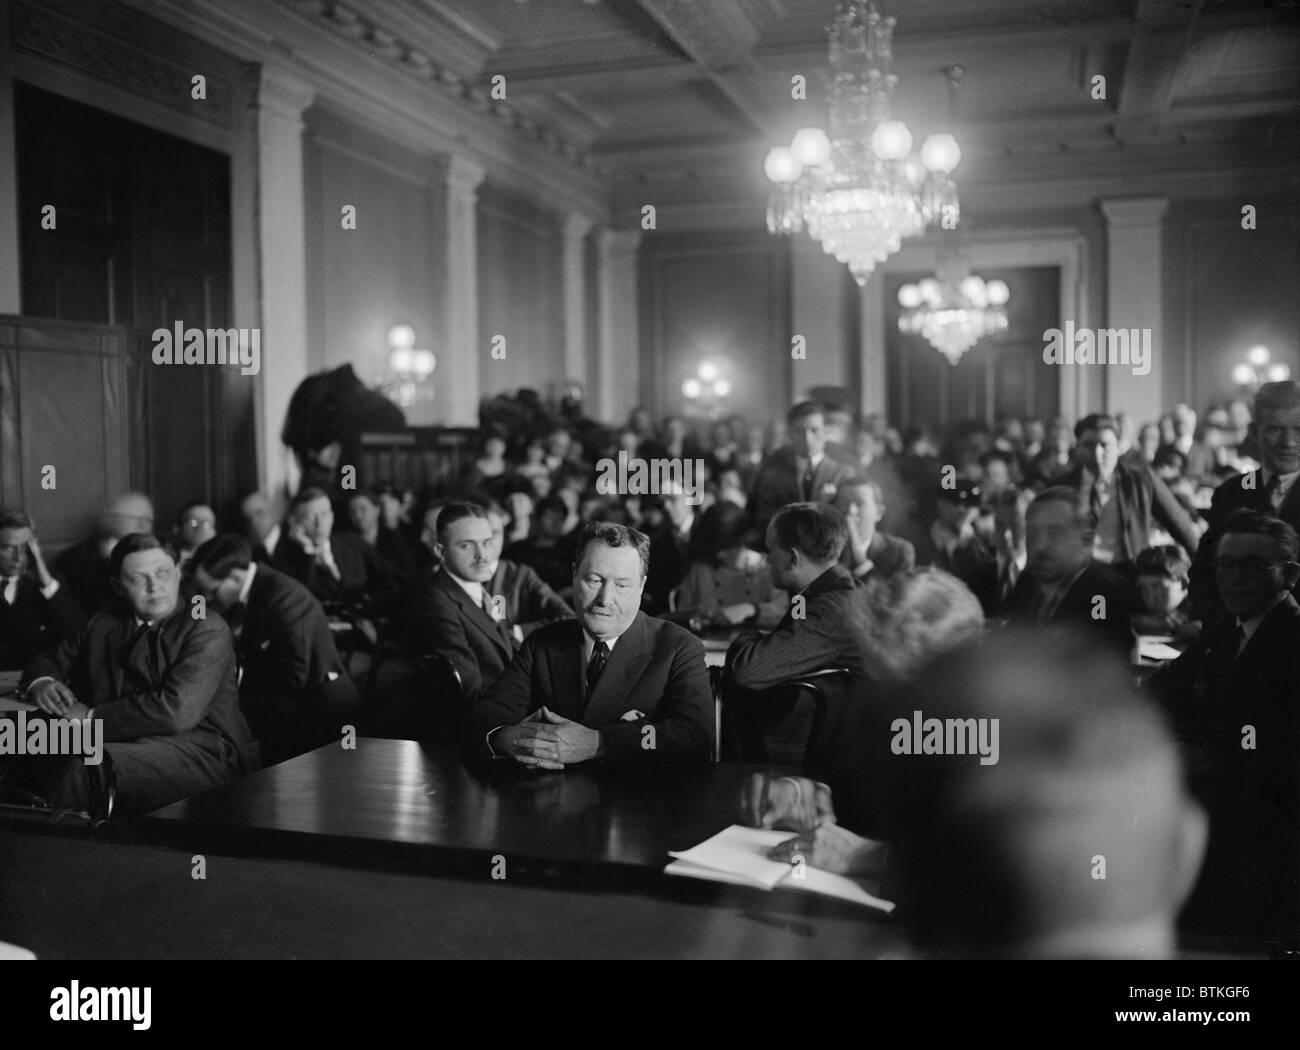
131 512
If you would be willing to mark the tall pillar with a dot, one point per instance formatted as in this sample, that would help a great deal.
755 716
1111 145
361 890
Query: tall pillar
817 313
10 284
618 359
268 244
459 350
576 228
874 398
1135 299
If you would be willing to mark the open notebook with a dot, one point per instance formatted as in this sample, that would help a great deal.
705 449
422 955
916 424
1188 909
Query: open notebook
739 855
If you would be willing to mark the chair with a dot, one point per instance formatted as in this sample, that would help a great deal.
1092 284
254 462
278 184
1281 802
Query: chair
750 718
715 687
26 788
439 700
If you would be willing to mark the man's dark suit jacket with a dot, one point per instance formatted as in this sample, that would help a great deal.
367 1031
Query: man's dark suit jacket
169 705
1076 606
33 623
444 619
778 483
830 634
1143 500
656 668
1245 490
889 556
670 557
1251 880
365 578
294 681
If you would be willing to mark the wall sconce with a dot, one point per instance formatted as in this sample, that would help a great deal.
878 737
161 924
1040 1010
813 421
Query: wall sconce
707 389
409 368
1259 368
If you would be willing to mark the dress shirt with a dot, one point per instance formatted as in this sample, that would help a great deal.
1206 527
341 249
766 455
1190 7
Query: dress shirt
1285 481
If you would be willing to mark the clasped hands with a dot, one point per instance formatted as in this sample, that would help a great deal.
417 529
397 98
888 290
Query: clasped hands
804 806
545 740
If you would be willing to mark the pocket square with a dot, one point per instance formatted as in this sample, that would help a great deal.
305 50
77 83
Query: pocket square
632 716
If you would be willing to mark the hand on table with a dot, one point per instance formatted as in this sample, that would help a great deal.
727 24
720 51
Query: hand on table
52 697
792 803
545 740
833 848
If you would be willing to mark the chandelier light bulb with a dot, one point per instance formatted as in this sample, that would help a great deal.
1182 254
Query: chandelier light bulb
811 147
1243 375
1278 373
692 388
780 165
929 289
423 363
402 360
940 153
998 293
708 371
973 288
891 140
909 297
401 337
721 388
1258 356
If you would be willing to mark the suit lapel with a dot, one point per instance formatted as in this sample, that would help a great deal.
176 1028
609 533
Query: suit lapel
1290 509
568 673
630 655
476 615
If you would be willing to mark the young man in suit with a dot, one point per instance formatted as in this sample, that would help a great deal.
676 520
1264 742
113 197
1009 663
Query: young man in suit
613 685
870 553
36 611
293 687
477 608
800 472
338 567
1062 582
161 683
1234 698
1271 489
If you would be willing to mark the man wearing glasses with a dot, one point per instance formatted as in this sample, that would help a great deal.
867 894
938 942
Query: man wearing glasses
1271 489
1234 698
161 682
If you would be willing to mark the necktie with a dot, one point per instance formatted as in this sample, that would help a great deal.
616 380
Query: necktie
599 655
806 482
1096 500
1273 491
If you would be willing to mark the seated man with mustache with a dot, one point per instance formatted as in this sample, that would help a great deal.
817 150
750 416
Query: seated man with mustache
614 685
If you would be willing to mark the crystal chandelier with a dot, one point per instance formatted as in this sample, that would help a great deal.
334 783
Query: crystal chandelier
954 311
859 190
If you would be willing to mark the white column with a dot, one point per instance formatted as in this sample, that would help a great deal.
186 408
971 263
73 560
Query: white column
269 253
1135 299
618 358
10 284
874 395
576 228
459 349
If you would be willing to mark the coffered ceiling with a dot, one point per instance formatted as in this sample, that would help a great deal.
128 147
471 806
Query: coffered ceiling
680 99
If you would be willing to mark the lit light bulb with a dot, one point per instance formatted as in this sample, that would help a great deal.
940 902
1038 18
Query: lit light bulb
930 291
998 293
1258 356
891 140
972 288
692 388
1243 375
423 363
780 165
810 147
909 297
721 388
1278 373
708 371
402 359
940 153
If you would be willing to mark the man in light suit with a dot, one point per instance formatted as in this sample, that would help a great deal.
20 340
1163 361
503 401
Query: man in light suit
1270 490
613 685
293 686
800 472
476 608
161 682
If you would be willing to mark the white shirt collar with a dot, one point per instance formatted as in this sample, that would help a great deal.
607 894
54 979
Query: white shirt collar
248 583
470 587
589 645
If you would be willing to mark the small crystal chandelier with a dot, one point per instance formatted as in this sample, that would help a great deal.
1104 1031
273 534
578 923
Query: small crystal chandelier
860 190
954 311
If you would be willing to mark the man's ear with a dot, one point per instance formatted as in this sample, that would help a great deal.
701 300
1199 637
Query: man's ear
1290 573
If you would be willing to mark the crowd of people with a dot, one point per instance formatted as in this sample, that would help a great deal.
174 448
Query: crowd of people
1010 573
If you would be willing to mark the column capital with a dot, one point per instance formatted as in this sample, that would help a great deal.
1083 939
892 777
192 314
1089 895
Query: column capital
272 88
616 242
460 175
575 226
1134 211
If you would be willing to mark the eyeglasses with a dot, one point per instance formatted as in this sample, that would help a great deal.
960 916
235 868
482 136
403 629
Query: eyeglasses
1251 568
198 523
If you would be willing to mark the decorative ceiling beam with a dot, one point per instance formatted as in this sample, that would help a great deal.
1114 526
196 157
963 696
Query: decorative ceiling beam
1154 59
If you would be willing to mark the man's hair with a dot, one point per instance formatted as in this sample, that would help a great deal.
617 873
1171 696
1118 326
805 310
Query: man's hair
805 408
1253 523
189 506
859 482
305 496
454 512
1167 560
1095 421
14 519
551 504
815 529
914 616
997 454
222 555
1280 397
1071 497
612 535
134 544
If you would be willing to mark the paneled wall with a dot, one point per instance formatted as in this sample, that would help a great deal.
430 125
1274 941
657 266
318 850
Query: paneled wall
521 294
722 296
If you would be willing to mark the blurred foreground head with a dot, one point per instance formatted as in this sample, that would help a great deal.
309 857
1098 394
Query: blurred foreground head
1077 841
